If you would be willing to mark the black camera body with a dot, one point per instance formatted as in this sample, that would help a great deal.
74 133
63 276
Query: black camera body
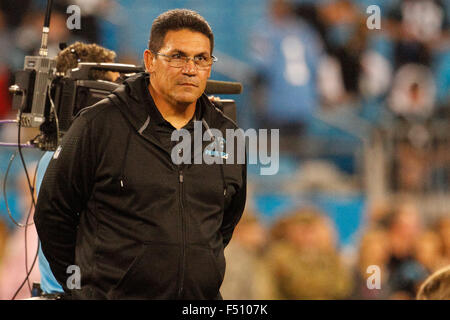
50 102
30 89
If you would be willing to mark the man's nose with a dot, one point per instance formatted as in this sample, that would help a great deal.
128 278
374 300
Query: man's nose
190 67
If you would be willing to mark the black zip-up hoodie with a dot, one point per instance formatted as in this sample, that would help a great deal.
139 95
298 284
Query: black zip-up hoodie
137 225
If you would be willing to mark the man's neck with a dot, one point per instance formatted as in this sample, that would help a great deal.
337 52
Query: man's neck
178 115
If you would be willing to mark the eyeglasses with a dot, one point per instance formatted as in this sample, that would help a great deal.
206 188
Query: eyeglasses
178 60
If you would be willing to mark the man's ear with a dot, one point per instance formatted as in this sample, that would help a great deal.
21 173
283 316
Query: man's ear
148 61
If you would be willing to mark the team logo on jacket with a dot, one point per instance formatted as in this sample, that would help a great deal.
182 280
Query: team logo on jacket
190 147
216 149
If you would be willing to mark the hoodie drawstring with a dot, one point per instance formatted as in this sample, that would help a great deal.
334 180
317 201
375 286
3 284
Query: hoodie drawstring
122 169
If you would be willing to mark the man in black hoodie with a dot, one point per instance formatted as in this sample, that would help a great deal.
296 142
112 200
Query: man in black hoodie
114 204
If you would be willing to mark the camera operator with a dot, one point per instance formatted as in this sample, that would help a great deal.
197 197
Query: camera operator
66 60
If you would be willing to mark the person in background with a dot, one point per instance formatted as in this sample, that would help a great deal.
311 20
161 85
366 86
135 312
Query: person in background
405 272
12 263
374 250
429 251
66 60
303 259
247 277
436 286
78 52
286 56
443 228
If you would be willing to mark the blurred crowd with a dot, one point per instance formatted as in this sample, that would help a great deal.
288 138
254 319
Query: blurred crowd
326 75
299 257
329 83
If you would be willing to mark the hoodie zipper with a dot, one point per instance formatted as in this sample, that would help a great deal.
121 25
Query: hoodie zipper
183 232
